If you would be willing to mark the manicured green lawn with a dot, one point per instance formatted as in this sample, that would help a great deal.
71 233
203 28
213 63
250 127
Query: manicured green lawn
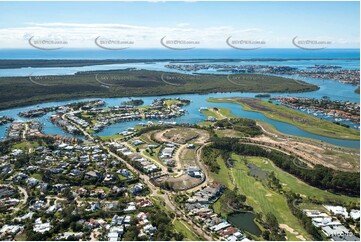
264 200
26 145
121 177
115 136
290 182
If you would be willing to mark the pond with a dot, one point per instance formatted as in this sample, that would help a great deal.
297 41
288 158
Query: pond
245 221
257 172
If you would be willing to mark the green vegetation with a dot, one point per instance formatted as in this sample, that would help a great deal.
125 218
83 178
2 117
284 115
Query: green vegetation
247 127
357 90
299 119
211 157
182 228
263 95
26 145
211 113
226 112
121 177
111 137
320 176
133 102
291 183
264 199
312 206
129 82
37 176
223 176
218 113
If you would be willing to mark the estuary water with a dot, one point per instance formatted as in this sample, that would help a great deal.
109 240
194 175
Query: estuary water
330 88
193 116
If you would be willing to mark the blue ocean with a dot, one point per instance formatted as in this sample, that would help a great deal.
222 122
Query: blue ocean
293 53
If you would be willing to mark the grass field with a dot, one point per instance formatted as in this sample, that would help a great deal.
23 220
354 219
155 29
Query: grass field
112 137
121 177
182 227
146 138
290 182
222 112
129 82
26 145
265 200
301 120
179 225
188 157
223 176
226 112
211 113
312 206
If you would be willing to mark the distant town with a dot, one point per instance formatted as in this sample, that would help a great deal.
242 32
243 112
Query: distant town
326 72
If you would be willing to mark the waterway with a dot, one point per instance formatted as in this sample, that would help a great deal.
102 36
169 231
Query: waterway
333 89
245 221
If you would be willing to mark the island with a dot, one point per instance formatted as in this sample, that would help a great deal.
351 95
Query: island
130 82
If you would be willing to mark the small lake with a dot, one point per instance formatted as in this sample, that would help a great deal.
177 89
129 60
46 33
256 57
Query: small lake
245 221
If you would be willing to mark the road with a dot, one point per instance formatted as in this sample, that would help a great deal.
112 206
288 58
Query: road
155 191
23 201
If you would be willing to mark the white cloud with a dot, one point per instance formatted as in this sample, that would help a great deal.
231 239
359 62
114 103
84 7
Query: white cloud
80 35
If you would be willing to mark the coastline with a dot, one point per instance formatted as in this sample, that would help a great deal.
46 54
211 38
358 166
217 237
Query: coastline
26 63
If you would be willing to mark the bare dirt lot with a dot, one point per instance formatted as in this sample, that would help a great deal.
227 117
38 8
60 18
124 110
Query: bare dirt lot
182 135
181 183
184 156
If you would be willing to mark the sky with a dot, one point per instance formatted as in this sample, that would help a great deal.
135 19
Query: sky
199 24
